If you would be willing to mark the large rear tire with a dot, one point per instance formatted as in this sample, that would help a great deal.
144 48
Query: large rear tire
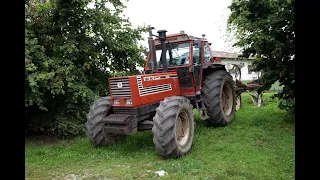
173 128
220 97
95 125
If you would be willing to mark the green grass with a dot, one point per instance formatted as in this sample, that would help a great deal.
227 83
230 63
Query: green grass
276 87
245 81
258 144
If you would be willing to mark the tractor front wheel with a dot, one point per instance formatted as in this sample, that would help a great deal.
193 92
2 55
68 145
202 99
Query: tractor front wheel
173 128
95 125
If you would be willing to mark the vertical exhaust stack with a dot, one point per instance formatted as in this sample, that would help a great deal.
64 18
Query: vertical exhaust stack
203 36
162 37
152 50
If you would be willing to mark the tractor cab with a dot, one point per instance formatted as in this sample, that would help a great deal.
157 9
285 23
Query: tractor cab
182 50
186 55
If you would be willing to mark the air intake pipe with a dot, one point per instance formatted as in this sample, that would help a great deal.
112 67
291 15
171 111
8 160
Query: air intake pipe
162 38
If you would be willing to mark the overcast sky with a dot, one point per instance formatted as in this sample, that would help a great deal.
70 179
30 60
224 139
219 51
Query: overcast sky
194 17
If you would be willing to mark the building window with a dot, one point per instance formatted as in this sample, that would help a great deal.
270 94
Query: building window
249 69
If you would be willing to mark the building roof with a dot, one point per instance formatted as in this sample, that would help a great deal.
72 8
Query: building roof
228 55
224 54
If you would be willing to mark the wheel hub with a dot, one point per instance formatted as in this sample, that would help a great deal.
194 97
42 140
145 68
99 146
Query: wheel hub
226 100
182 128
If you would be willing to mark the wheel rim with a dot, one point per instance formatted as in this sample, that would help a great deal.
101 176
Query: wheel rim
182 128
238 104
227 100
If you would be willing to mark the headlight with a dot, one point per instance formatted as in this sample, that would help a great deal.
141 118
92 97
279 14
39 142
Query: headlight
116 101
128 101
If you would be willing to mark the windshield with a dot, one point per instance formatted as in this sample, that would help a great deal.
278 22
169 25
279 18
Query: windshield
176 54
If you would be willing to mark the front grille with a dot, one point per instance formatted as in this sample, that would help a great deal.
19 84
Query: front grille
124 111
120 87
152 89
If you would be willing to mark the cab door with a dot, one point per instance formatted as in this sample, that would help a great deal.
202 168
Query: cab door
197 63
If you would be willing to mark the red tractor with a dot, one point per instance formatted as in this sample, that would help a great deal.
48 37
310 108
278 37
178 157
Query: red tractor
180 75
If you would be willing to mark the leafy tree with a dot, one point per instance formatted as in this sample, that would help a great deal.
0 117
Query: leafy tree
266 29
70 52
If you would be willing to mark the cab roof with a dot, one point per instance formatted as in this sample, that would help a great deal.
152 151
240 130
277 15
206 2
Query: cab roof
177 38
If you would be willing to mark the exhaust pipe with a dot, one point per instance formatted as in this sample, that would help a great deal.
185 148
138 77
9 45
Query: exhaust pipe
162 37
152 50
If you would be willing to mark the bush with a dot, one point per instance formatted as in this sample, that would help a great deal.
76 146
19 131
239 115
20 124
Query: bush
70 52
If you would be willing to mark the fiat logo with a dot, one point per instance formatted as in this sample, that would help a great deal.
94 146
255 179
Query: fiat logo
119 84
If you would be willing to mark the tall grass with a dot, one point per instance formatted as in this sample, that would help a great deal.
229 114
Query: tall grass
258 144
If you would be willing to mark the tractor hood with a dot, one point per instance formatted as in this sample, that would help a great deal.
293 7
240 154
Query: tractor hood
133 91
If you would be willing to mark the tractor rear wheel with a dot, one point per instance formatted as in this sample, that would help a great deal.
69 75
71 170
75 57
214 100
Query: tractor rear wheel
220 97
173 128
95 125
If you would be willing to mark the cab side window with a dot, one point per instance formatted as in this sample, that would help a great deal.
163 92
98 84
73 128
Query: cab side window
196 54
206 53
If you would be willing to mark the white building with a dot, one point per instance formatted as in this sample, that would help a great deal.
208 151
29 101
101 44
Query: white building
245 64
